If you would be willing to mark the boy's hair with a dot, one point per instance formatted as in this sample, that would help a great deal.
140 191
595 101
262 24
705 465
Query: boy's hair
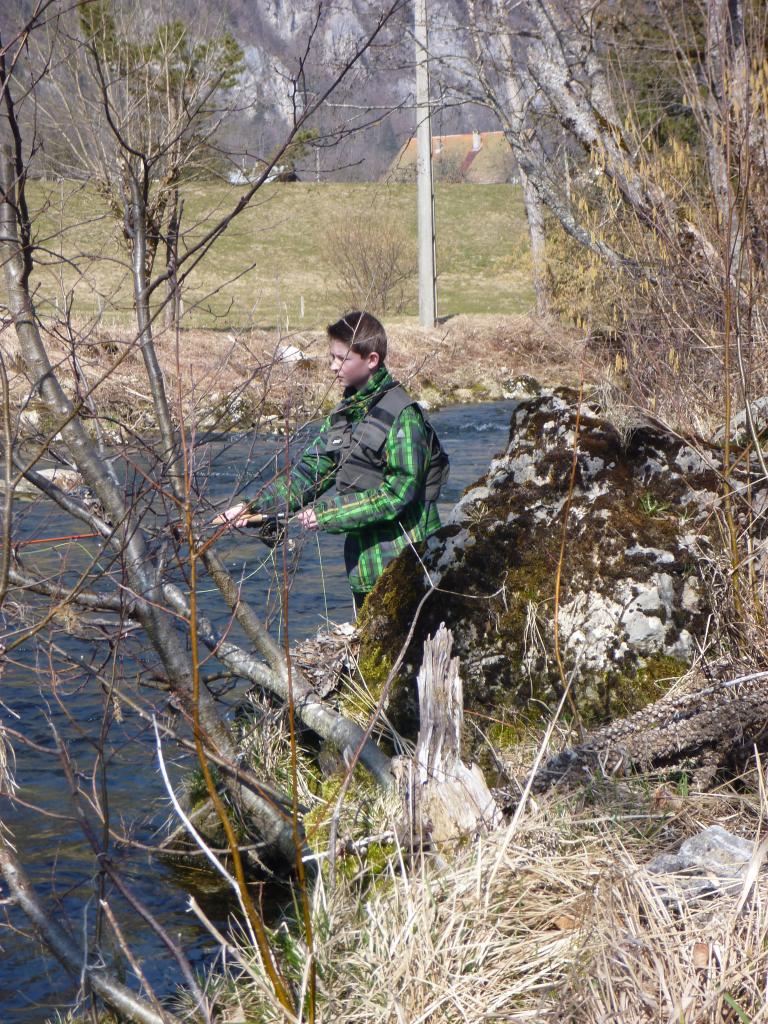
362 332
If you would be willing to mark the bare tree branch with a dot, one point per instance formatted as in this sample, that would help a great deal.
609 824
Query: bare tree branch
113 992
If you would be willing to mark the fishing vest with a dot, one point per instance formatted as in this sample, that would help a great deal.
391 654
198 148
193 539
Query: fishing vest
358 448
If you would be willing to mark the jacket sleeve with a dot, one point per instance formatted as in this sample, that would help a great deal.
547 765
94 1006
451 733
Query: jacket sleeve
407 455
310 477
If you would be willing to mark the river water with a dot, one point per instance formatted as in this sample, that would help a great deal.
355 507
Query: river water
32 985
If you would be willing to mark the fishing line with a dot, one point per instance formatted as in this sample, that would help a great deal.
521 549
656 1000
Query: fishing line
322 579
243 577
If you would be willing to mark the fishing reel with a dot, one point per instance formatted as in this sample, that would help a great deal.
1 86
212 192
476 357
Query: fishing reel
271 528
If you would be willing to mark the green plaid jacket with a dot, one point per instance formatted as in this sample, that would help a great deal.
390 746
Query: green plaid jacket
380 522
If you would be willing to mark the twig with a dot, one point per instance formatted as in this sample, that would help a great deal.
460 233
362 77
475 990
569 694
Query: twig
197 910
135 966
199 812
566 683
215 862
107 866
5 558
512 828
354 846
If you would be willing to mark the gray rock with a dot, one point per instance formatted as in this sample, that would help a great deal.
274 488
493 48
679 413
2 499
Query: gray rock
68 480
712 863
740 432
30 418
630 601
653 553
521 386
226 412
714 851
692 596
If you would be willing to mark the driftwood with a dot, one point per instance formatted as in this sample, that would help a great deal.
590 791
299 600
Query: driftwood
699 731
445 798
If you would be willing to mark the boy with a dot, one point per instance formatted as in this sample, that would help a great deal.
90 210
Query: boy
379 450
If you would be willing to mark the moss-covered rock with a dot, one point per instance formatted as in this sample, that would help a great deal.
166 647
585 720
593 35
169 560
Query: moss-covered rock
630 601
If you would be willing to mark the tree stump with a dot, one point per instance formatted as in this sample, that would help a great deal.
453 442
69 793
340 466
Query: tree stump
444 797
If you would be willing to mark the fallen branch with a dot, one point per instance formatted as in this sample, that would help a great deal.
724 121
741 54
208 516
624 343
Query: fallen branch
697 731
310 709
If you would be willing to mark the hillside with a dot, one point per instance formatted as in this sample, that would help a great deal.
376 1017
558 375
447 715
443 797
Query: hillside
279 262
372 115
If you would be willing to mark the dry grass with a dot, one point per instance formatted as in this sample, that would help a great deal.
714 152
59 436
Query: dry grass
274 280
555 920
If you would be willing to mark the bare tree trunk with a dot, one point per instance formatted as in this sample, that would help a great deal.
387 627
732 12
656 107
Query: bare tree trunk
591 119
137 219
518 99
550 69
721 69
697 732
150 609
534 212
538 192
173 294
342 732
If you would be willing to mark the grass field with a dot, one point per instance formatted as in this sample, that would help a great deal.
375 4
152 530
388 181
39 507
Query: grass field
274 266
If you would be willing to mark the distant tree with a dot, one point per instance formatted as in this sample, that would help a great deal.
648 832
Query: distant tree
298 149
131 98
373 261
509 95
555 71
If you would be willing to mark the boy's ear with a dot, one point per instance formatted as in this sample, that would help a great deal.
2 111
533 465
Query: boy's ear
374 359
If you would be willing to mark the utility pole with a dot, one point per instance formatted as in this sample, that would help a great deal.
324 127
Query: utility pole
424 191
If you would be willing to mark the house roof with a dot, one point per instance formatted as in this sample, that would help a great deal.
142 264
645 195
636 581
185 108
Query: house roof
454 158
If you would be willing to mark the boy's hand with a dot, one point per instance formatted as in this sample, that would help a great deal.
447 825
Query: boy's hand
235 516
308 519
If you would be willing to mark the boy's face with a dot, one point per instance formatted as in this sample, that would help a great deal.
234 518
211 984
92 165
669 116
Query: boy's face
350 368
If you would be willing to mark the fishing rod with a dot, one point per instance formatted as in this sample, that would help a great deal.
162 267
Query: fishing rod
55 540
272 526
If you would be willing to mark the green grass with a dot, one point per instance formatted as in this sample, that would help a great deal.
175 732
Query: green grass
276 252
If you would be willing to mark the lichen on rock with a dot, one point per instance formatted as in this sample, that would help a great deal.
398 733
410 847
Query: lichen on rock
631 601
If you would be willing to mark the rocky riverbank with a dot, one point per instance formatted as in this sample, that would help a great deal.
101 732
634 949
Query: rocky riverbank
222 381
